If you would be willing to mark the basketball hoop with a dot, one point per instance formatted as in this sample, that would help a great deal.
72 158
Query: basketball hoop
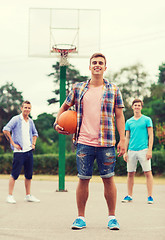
63 49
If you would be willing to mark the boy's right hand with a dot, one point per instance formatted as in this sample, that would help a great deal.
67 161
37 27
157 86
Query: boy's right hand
18 147
125 157
60 130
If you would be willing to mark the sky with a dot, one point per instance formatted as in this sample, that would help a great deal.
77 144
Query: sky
131 32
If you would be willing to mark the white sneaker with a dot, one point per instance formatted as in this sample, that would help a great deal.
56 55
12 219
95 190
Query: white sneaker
30 198
10 199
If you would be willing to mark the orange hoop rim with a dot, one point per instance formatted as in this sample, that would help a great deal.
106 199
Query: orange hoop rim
64 49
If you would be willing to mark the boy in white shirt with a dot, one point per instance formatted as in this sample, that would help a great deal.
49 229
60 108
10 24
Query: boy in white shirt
22 141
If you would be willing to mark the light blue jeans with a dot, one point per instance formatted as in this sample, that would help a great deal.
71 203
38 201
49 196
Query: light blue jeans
105 157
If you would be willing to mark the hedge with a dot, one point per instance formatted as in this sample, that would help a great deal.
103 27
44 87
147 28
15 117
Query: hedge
48 164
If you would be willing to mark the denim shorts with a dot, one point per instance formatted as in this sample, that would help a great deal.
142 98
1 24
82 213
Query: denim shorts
105 157
23 159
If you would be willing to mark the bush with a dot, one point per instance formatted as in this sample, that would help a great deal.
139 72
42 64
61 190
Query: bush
48 164
6 163
158 162
45 164
1 150
121 166
70 166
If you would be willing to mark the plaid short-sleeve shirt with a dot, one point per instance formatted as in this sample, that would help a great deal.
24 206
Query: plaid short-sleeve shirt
111 98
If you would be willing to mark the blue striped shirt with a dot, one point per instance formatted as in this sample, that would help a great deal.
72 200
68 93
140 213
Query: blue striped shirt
15 126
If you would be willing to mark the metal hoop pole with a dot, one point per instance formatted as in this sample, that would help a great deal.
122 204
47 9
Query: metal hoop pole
62 137
62 140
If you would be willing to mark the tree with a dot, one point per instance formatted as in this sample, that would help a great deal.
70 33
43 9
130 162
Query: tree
44 125
10 99
154 106
161 78
48 137
133 82
10 102
72 76
160 133
155 102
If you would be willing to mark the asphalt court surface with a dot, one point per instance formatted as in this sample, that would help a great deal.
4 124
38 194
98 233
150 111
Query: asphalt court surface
53 216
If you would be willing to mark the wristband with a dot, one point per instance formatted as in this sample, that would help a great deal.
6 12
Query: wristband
54 125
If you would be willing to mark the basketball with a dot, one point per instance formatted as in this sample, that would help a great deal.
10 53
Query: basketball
68 121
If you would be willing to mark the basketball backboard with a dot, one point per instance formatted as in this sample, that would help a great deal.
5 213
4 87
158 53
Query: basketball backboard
51 26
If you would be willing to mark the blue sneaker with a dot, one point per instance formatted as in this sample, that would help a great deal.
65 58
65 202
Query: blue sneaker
78 224
113 224
127 199
150 200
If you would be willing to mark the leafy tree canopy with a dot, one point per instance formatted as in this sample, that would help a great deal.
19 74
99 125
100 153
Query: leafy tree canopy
44 125
133 82
10 103
72 76
161 78
10 98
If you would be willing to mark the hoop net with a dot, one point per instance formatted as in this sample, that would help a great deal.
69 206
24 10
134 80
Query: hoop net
64 50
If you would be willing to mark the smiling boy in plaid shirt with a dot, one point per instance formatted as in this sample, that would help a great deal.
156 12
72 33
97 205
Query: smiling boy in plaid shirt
96 101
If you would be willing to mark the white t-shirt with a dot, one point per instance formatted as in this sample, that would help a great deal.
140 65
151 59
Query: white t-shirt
25 136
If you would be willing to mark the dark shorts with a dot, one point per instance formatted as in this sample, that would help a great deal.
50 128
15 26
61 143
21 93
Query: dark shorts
105 157
23 159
